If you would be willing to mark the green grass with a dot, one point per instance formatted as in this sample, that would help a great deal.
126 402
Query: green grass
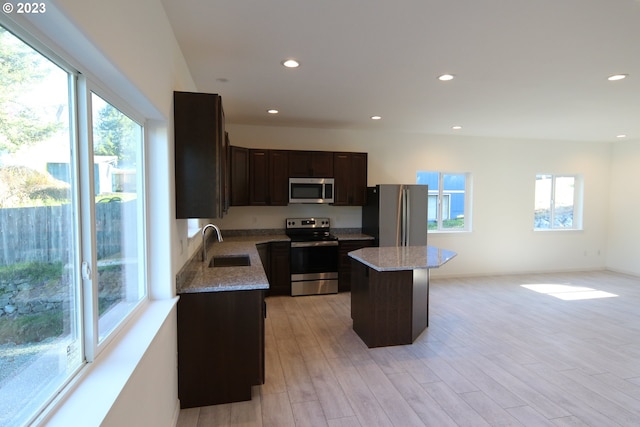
455 224
30 328
36 272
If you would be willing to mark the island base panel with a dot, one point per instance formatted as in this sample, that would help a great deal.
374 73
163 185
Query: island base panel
387 307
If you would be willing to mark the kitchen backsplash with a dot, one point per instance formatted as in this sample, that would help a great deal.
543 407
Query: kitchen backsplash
272 217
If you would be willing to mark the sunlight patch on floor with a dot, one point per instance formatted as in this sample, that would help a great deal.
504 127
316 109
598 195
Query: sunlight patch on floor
568 292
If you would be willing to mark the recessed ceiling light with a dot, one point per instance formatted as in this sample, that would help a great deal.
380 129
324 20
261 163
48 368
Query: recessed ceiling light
456 127
446 77
376 117
272 111
291 63
617 77
621 136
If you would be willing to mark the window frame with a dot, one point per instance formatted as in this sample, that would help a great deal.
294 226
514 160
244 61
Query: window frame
440 193
81 85
577 213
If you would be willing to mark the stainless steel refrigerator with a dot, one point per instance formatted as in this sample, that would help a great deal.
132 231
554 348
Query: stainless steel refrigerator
396 214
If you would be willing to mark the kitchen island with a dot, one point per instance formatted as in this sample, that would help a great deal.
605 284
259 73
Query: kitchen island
390 292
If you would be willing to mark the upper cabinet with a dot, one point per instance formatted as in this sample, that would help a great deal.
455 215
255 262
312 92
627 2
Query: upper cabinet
350 173
260 177
239 176
305 164
268 178
200 155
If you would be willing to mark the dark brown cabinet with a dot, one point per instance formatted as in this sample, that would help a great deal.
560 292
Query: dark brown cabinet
220 346
278 177
268 180
344 261
389 307
239 160
260 177
199 155
305 164
350 173
276 263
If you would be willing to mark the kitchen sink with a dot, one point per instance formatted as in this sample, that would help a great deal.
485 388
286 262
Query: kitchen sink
230 261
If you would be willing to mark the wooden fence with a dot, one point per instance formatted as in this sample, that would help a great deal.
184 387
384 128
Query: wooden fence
44 234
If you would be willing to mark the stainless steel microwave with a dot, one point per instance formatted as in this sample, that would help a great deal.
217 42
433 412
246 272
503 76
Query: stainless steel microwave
311 190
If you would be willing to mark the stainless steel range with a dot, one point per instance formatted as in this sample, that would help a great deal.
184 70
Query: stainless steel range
314 256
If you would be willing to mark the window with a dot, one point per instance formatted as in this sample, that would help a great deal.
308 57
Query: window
117 142
557 202
72 253
448 200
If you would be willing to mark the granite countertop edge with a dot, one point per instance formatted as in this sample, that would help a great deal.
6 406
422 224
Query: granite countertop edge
403 258
195 276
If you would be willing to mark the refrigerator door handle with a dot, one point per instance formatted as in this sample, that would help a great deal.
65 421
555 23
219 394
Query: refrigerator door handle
404 214
407 228
399 218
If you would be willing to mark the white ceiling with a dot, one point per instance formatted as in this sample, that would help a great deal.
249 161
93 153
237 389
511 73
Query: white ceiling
524 68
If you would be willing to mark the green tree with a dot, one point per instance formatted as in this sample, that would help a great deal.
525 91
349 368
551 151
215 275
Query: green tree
115 135
21 68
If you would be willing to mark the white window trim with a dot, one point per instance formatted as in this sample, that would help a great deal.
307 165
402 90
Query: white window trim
467 202
131 338
578 202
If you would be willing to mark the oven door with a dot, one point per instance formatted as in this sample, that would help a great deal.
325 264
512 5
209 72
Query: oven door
314 267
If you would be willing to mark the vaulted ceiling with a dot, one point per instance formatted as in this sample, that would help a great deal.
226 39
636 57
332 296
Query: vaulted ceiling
522 68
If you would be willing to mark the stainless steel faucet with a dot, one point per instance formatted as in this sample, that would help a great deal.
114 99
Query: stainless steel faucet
204 242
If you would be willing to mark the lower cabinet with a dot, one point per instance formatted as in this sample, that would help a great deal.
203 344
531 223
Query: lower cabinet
220 346
279 271
275 257
344 261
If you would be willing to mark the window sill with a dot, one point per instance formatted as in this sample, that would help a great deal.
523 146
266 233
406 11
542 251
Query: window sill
452 231
561 230
108 375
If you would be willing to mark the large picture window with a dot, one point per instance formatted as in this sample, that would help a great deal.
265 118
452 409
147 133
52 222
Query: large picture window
557 202
448 200
72 253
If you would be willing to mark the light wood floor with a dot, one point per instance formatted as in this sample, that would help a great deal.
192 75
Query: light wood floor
495 354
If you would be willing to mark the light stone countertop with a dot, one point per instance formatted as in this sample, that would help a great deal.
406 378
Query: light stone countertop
197 276
396 258
351 236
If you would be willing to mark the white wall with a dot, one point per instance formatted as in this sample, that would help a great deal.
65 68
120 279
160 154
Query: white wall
502 240
623 252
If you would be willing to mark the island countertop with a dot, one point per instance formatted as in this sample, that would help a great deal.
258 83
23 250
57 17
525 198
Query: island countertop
396 258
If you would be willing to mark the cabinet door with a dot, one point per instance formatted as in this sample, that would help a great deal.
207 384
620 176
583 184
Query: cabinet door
220 346
306 164
300 164
350 172
225 175
358 179
239 176
344 261
280 277
342 175
278 178
258 177
199 135
322 164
